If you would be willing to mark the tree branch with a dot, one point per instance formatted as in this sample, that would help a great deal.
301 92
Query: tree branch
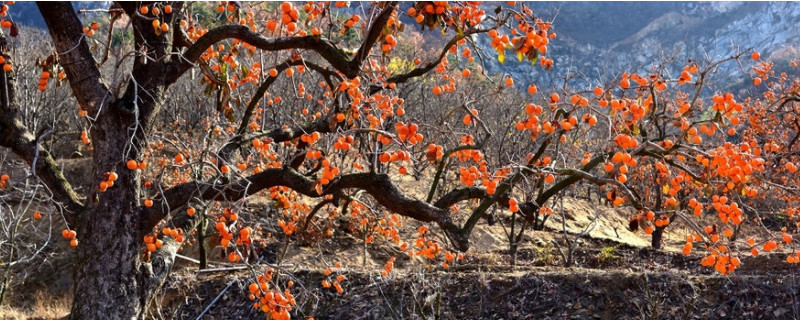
15 136
337 58
374 32
321 125
421 70
74 55
379 186
458 195
262 89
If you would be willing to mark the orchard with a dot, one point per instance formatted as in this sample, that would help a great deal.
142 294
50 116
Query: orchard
336 115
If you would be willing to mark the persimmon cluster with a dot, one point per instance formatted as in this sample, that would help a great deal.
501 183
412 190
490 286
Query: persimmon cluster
273 302
408 133
70 235
109 182
431 13
434 153
337 282
157 13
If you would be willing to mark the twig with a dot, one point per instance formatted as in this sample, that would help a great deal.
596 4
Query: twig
200 316
221 269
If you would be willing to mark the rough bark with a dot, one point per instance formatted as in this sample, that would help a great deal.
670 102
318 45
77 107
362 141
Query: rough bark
113 280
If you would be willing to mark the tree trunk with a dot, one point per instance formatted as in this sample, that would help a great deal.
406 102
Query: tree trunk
658 235
110 280
116 279
513 253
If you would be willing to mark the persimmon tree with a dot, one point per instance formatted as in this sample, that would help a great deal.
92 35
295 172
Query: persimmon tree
306 105
128 228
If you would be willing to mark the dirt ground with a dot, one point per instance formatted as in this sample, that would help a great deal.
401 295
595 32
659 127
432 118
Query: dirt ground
615 275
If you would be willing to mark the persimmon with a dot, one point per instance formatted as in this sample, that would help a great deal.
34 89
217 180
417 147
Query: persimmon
509 82
645 139
132 165
687 248
770 245
787 238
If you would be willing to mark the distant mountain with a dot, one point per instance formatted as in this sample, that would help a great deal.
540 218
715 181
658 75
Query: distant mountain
602 39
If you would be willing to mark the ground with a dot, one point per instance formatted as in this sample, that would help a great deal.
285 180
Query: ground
615 275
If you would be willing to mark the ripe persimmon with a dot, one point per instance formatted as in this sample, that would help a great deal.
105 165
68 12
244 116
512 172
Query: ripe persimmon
132 165
509 82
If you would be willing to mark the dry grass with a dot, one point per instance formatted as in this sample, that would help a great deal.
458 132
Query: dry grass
44 307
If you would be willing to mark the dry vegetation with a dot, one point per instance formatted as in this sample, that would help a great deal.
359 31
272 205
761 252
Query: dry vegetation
242 160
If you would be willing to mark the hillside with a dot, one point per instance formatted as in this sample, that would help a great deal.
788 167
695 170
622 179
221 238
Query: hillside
603 39
338 160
